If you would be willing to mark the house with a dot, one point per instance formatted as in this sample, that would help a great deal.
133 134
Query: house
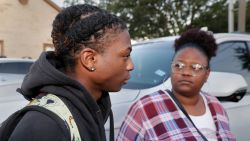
25 27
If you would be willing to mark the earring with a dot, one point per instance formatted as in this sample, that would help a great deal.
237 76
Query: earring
92 69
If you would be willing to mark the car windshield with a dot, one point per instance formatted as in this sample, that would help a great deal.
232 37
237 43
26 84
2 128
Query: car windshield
15 67
152 63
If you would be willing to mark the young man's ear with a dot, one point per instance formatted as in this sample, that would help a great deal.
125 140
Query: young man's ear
88 58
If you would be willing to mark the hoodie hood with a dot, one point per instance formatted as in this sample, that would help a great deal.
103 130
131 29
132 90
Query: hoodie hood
45 71
46 76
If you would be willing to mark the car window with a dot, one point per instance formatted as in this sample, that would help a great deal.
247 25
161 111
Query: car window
152 63
15 67
233 57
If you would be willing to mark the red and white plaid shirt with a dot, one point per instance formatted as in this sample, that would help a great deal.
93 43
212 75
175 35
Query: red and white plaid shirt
156 117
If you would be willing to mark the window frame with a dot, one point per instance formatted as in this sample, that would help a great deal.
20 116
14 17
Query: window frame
246 45
2 48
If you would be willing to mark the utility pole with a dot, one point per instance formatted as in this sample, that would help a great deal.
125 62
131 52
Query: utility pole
242 16
230 16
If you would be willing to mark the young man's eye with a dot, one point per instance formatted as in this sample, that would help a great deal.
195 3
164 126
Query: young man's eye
127 56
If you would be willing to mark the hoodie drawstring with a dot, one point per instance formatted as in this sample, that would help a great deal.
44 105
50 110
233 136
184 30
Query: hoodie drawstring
111 127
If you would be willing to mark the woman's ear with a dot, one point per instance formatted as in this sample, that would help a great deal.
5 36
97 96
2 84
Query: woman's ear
88 58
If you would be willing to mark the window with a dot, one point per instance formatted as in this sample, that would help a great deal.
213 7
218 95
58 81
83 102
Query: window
15 67
48 47
152 64
233 57
1 49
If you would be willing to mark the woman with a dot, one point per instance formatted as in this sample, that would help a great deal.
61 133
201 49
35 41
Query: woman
91 58
161 115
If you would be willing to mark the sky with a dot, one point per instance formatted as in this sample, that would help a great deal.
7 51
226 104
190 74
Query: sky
58 2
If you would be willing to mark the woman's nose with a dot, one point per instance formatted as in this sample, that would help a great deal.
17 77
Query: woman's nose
187 71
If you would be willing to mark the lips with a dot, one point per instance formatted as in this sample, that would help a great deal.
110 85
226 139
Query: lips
126 80
185 82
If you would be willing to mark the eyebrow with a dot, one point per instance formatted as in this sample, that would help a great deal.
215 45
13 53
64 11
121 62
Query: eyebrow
127 50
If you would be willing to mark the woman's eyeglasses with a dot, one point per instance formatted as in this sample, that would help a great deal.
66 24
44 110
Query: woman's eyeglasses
194 69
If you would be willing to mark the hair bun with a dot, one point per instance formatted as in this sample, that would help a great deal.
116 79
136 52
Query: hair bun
203 40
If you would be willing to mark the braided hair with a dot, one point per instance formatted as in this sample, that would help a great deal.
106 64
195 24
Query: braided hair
82 26
199 39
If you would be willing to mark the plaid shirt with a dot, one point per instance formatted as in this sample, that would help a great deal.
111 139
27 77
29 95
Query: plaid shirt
156 117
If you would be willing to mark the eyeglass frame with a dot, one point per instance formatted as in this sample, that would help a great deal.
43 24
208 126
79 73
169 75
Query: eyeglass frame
203 68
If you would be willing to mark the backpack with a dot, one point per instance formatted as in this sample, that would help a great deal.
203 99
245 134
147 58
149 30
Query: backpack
52 106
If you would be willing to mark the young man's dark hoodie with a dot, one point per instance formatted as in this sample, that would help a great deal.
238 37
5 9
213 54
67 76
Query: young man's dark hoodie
46 76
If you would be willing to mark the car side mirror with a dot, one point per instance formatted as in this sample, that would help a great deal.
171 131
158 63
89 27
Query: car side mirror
226 86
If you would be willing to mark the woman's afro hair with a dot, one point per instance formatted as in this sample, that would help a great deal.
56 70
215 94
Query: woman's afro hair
202 40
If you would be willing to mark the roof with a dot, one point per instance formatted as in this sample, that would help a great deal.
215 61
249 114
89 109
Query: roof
15 60
54 5
160 39
220 37
232 34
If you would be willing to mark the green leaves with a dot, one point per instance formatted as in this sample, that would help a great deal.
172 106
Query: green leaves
156 18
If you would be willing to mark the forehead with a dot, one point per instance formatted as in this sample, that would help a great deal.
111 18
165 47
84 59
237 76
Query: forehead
119 41
119 38
191 55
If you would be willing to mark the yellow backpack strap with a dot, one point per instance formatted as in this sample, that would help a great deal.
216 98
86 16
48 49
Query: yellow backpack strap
56 105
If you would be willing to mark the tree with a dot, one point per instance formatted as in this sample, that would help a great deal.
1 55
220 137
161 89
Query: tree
215 17
155 18
67 3
101 3
144 17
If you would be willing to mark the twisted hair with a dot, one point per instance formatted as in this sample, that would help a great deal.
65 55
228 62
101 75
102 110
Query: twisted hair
196 38
82 26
